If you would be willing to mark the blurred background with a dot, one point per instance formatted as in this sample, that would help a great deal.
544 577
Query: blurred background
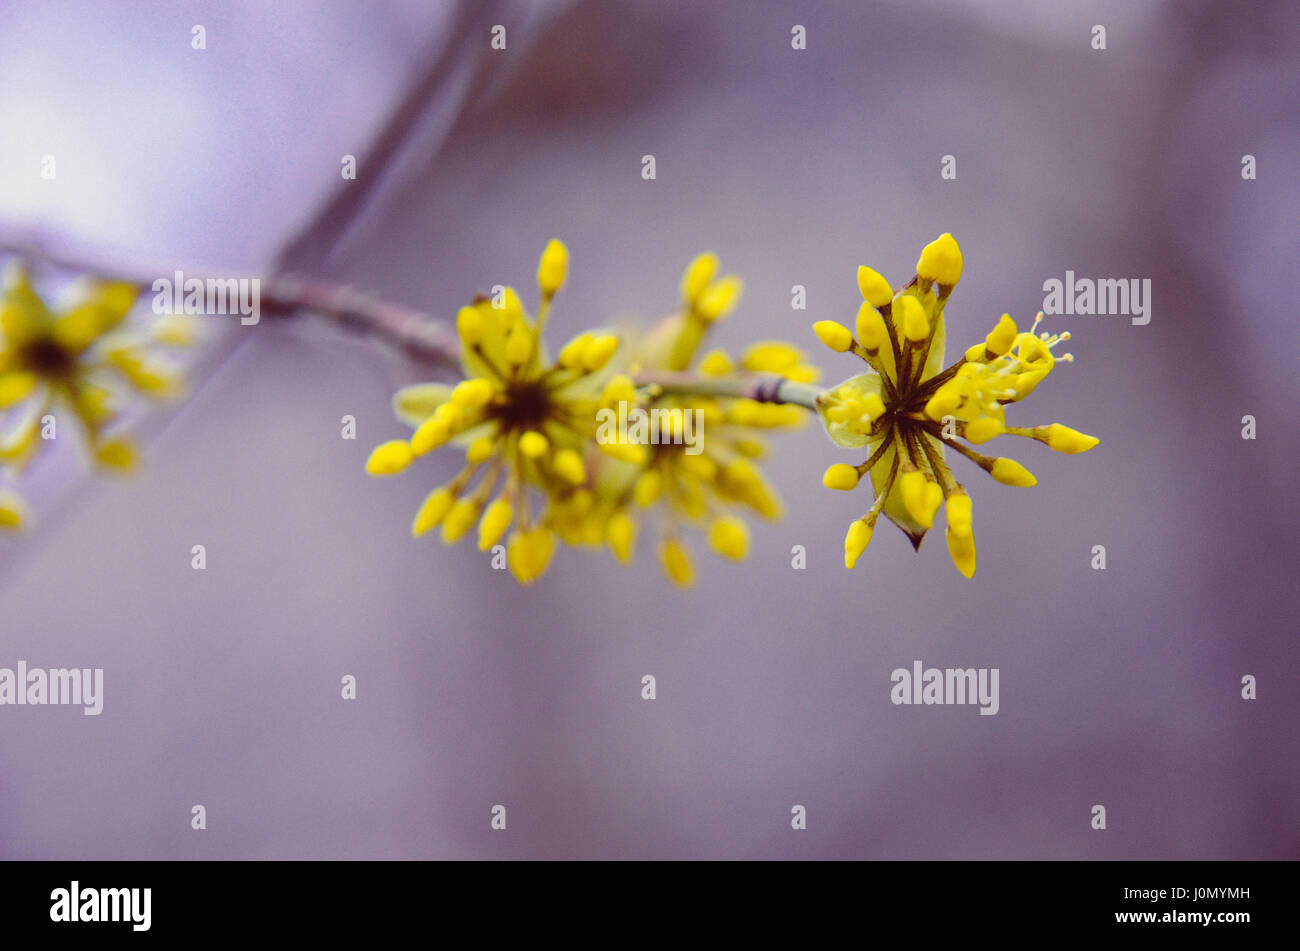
1118 687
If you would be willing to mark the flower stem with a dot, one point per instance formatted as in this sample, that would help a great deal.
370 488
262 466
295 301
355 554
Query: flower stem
763 387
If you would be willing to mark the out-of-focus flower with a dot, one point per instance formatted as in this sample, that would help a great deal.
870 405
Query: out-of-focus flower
907 407
82 361
526 423
710 479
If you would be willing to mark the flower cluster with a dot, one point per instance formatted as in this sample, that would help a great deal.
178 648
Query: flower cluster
530 425
76 361
712 486
907 408
526 424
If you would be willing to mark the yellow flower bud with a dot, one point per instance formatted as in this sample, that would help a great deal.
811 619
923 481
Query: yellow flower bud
911 318
626 452
729 537
980 431
519 343
719 299
962 550
1064 439
841 476
469 324
429 435
698 275
598 352
958 511
621 535
480 450
1001 337
460 519
875 289
856 541
648 486
931 499
941 260
716 363
529 553
871 328
1009 472
390 458
553 267
911 488
698 466
571 353
836 336
495 521
570 467
944 402
472 393
619 389
677 563
533 444
434 509
772 356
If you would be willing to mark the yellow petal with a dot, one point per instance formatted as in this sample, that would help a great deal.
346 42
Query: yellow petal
414 404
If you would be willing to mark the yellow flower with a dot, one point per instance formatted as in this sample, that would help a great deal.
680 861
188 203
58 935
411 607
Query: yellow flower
705 471
526 423
907 407
77 361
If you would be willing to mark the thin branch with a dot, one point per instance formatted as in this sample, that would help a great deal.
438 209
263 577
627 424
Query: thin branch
762 387
414 333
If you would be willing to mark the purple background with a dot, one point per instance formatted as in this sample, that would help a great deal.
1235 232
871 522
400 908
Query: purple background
1119 687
